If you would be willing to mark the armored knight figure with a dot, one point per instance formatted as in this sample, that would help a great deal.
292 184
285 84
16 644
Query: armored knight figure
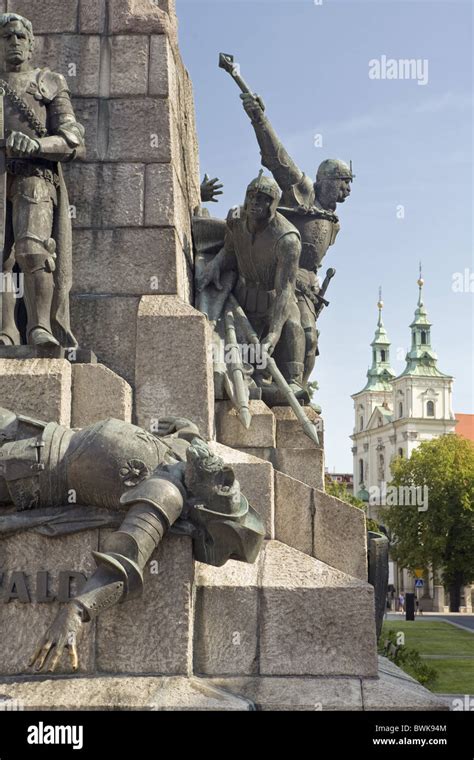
41 132
310 207
124 477
263 248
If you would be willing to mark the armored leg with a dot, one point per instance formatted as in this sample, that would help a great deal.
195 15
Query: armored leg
290 351
9 334
33 209
311 337
155 504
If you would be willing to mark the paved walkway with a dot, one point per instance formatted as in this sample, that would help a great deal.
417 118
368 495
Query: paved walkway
466 622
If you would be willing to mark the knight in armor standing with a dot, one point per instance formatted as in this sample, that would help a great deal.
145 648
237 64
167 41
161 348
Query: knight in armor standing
264 249
42 132
310 207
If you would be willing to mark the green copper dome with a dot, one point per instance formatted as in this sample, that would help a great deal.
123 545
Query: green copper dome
421 359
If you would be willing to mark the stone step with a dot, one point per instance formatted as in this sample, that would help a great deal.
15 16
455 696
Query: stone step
391 689
288 614
320 525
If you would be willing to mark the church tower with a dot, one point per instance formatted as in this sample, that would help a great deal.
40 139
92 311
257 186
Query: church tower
422 394
373 401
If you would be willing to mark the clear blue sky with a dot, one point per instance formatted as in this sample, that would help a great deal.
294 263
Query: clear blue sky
410 144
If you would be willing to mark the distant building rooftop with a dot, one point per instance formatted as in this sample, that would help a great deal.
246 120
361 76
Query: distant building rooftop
465 426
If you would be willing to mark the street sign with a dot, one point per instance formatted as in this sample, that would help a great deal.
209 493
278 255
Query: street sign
419 583
418 573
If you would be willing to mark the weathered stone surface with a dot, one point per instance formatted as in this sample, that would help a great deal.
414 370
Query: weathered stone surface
106 195
340 535
152 634
315 620
121 693
129 65
306 465
127 261
173 365
108 323
226 619
231 432
23 625
77 57
294 509
139 131
296 694
290 434
47 17
165 204
256 479
184 151
137 17
98 393
395 690
163 76
92 16
87 114
39 388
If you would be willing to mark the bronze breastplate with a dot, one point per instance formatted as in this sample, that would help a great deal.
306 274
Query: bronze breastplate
25 88
256 256
316 237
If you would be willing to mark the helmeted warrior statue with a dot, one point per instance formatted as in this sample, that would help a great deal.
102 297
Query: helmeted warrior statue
309 206
124 477
42 132
263 249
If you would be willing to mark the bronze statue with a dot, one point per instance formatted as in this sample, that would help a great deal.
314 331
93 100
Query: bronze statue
263 249
309 206
35 227
124 477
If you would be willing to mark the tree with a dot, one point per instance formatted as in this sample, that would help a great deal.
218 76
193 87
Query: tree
443 535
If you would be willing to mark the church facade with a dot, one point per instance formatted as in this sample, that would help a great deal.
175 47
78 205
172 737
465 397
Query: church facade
392 416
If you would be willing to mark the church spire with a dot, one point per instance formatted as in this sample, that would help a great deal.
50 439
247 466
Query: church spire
421 359
380 373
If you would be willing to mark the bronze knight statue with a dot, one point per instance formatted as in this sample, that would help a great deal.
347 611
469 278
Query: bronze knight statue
263 249
124 477
35 234
309 206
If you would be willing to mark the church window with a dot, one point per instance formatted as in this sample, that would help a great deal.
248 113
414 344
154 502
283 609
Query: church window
423 338
400 453
430 410
361 423
382 353
361 470
400 409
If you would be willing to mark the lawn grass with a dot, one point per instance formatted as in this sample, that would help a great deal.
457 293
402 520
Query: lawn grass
433 638
455 676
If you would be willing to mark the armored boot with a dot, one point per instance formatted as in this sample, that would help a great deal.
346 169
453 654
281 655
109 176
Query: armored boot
39 290
293 372
9 335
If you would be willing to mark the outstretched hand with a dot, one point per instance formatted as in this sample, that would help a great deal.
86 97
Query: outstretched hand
60 636
170 425
210 188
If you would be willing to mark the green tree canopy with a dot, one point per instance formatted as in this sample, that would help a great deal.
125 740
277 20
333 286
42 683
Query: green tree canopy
443 535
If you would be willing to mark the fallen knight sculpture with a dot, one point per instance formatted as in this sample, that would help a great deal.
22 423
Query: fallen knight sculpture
121 476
